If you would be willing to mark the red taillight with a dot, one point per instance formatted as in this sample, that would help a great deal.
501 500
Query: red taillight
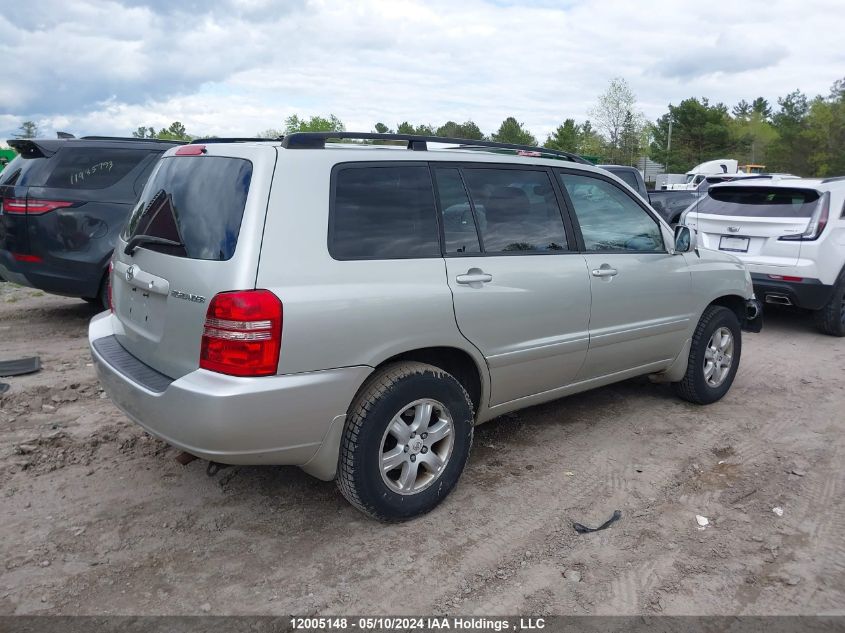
37 207
32 206
29 259
242 333
785 278
108 284
191 150
817 222
14 205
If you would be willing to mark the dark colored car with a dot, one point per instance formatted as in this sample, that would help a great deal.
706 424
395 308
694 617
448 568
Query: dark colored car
62 204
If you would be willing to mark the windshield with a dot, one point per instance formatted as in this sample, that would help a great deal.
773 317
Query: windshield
760 202
197 202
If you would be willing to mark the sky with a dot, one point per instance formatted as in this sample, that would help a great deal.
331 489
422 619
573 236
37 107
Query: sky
239 67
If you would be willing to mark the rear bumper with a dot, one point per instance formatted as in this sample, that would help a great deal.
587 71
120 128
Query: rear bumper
231 420
808 293
71 279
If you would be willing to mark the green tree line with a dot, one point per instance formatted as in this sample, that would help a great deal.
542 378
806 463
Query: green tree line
797 134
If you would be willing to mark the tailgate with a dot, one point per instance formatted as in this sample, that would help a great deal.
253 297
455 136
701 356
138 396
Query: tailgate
210 207
754 240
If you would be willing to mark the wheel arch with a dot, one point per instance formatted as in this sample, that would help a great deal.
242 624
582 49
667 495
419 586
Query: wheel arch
453 360
734 303
676 371
471 371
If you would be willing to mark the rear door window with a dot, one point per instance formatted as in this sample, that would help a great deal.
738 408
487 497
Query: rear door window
759 202
383 212
196 201
91 168
610 219
459 226
516 210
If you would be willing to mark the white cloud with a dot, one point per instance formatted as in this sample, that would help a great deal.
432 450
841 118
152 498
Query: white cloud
236 67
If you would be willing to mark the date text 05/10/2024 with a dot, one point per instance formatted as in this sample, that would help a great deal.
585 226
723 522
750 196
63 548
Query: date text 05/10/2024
418 623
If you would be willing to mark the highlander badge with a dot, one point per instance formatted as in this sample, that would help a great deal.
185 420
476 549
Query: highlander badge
187 296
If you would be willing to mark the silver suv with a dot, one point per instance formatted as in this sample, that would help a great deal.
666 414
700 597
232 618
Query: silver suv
356 309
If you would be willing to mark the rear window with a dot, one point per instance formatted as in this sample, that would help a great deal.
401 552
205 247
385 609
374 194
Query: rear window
759 202
196 201
628 178
383 213
91 168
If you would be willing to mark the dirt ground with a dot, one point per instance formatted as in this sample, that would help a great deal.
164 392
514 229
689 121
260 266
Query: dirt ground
98 518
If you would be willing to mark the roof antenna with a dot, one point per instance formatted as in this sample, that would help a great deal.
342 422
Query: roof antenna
64 135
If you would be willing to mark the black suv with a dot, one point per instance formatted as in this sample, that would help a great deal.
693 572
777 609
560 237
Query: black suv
63 203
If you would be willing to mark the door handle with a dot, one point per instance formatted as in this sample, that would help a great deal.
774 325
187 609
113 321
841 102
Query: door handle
604 271
474 276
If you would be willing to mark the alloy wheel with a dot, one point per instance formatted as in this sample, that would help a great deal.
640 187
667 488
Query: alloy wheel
416 446
718 357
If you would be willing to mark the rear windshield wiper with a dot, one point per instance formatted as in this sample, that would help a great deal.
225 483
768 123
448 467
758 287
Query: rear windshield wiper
137 240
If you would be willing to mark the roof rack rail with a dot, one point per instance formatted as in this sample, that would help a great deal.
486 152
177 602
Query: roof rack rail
317 140
233 139
129 138
833 179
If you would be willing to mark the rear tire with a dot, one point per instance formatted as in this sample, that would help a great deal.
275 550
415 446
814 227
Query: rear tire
831 318
714 357
406 441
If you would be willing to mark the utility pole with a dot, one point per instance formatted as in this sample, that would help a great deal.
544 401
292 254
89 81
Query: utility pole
668 145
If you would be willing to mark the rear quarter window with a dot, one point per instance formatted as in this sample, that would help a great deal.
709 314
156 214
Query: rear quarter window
19 170
383 212
91 168
197 201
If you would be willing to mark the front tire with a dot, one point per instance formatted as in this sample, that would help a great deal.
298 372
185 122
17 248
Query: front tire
406 441
714 357
831 318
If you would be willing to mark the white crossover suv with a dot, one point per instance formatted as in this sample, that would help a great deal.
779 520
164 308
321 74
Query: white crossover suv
356 310
790 234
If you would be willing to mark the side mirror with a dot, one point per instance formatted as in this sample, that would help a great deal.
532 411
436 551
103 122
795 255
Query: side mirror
683 239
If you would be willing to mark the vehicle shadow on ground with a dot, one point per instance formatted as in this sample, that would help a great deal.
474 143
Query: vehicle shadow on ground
786 318
60 312
287 489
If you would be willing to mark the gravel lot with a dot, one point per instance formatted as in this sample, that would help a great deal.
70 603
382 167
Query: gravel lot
98 518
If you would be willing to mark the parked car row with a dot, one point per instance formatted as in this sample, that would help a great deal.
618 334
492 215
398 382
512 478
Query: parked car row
671 203
355 310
